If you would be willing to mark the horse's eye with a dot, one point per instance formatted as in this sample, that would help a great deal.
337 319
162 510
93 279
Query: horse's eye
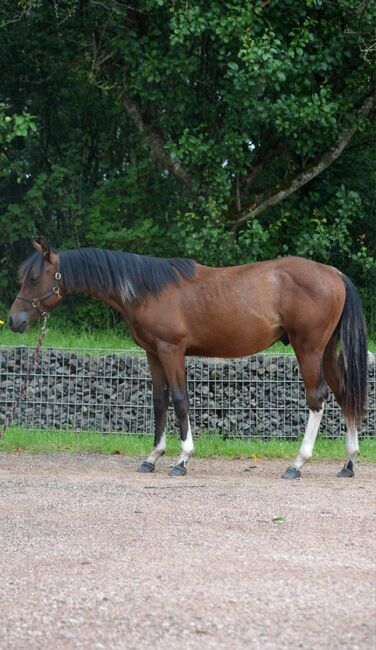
34 279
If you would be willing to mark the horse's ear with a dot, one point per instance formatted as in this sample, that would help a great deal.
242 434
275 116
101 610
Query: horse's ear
42 246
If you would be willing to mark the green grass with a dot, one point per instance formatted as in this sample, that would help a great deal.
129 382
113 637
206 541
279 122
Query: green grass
58 336
117 338
206 446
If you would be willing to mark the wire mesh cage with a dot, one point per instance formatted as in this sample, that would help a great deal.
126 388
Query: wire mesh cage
110 391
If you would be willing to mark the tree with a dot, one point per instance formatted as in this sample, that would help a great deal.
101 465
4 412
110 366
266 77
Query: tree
223 130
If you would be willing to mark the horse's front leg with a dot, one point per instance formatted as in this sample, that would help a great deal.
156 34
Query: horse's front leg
172 360
160 405
181 405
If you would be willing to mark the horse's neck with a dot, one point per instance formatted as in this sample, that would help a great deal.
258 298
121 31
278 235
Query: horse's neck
113 301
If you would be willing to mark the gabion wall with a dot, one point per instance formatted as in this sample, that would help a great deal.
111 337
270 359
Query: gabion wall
95 390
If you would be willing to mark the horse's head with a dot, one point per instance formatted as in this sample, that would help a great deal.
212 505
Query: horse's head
40 281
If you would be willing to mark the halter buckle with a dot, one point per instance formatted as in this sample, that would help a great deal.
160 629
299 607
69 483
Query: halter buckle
57 275
35 302
56 291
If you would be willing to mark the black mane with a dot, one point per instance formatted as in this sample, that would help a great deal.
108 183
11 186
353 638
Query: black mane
130 275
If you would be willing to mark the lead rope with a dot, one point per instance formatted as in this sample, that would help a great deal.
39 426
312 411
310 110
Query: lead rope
43 332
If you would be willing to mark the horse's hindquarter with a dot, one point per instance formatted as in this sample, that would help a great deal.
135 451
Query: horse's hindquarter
312 297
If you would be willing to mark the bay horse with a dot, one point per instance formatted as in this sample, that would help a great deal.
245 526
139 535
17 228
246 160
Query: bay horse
176 307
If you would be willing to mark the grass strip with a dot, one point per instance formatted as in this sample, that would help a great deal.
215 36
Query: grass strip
110 339
18 439
59 336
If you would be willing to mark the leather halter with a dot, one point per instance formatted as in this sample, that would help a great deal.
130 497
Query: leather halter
36 302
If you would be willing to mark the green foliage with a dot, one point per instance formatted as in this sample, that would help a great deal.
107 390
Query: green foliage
241 96
206 445
13 126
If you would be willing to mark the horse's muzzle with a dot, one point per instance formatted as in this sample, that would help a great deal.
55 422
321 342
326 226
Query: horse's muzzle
19 322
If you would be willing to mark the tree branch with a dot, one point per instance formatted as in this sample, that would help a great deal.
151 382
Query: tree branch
105 61
281 192
242 183
270 155
154 140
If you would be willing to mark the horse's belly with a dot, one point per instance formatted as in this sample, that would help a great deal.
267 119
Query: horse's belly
234 344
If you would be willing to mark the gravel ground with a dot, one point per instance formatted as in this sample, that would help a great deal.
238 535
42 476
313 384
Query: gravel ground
94 555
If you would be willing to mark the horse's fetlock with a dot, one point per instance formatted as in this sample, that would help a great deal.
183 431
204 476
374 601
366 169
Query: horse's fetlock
187 445
305 455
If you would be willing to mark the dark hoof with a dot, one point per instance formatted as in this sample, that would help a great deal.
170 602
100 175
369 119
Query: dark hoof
178 470
290 473
347 470
345 473
146 468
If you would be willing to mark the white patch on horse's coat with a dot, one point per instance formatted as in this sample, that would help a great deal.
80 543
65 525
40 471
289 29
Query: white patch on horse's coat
158 450
187 447
352 445
306 448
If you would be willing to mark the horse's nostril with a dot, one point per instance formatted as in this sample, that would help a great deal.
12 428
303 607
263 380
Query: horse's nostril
10 321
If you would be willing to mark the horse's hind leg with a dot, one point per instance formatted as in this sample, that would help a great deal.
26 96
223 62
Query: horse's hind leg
352 450
332 375
316 390
160 405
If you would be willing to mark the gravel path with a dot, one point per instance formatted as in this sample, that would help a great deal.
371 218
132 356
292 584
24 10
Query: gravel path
94 555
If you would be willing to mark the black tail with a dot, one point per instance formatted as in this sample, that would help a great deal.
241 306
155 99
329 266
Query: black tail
353 358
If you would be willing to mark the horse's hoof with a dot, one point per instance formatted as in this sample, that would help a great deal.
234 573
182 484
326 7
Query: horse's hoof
345 473
146 468
347 470
178 470
291 473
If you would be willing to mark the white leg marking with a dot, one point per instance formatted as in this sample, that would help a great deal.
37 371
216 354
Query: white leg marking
352 445
158 450
306 449
187 447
